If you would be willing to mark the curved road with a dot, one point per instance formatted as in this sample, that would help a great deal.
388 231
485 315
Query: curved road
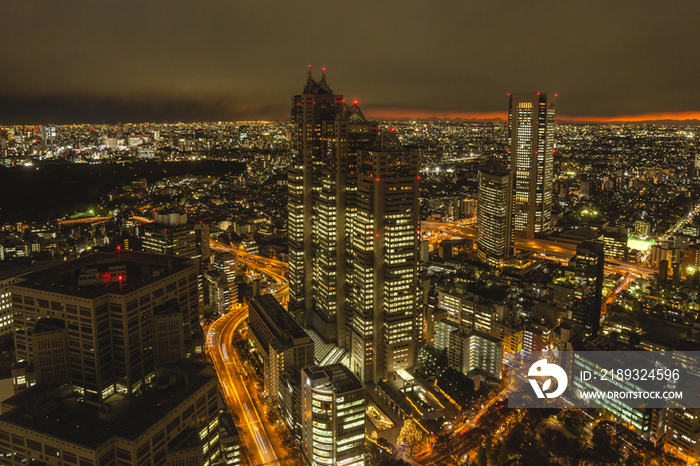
234 381
231 371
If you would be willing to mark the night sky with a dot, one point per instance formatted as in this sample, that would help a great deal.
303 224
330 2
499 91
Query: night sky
94 61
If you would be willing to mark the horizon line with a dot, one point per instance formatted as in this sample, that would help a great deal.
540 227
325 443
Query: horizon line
398 113
389 113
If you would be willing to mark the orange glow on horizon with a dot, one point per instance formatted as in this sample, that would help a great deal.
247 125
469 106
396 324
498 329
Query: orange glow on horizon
400 113
675 116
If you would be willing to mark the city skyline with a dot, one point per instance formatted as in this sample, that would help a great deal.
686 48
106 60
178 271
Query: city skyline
622 61
372 278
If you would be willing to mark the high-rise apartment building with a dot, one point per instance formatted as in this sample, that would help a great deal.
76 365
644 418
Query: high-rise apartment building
353 232
494 238
385 236
109 304
589 263
333 416
531 126
220 287
475 352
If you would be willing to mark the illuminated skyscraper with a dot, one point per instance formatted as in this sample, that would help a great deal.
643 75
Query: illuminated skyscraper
353 233
494 239
531 125
322 184
589 263
312 112
385 236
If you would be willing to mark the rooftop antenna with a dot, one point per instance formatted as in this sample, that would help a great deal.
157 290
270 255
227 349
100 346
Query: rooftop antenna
323 70
308 75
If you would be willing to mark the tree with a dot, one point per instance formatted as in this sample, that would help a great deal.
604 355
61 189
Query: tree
481 457
373 452
489 448
554 442
503 454
573 421
410 434
606 443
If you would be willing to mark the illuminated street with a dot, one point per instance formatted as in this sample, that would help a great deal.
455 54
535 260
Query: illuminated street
238 390
234 377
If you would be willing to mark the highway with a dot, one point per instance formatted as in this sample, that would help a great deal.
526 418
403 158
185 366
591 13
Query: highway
83 220
274 269
261 442
235 382
561 250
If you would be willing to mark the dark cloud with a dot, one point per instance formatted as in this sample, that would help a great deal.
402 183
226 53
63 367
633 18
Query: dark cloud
95 61
64 109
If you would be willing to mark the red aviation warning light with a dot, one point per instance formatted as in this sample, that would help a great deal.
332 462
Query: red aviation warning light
355 102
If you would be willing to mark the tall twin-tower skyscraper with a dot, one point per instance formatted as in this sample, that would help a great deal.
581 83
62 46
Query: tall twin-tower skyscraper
353 231
518 203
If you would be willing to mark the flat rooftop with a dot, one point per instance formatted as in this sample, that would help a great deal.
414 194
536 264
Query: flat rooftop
54 410
337 378
15 268
141 269
279 316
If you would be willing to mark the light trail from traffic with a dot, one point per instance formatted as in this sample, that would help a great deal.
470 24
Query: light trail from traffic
275 269
232 377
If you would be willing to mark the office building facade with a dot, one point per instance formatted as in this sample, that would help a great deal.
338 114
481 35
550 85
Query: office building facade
171 234
531 127
385 320
353 232
109 303
333 416
494 237
279 341
589 271
174 421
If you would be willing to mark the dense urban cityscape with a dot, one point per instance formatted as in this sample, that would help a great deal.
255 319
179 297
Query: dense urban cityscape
335 290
